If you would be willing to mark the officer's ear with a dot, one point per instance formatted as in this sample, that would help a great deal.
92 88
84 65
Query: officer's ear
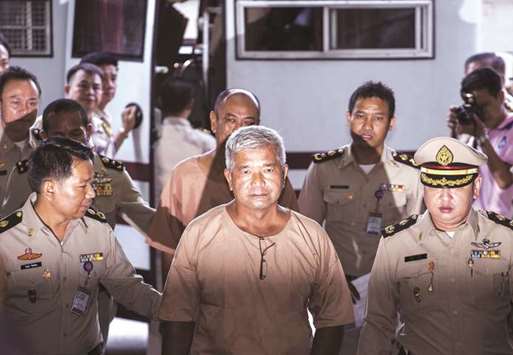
48 188
476 188
213 121
228 177
391 123
285 170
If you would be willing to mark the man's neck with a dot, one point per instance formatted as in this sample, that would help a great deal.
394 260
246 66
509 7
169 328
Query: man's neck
260 222
51 219
497 120
366 155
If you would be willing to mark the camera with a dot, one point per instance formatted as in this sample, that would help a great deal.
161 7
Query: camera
465 113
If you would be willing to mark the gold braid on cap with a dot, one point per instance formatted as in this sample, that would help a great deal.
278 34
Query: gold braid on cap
444 182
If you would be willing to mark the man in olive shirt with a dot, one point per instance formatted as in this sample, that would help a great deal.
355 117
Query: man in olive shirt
446 273
56 252
359 188
245 272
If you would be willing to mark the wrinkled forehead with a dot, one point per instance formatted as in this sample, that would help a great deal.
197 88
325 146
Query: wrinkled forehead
239 100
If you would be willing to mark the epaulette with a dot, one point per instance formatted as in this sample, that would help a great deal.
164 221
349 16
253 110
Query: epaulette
36 133
111 163
404 224
95 214
10 221
499 219
22 166
331 154
406 158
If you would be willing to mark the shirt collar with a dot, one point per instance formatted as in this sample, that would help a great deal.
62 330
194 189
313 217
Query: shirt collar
427 226
506 124
348 157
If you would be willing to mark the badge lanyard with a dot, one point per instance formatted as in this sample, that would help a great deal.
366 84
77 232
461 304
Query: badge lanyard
375 220
83 295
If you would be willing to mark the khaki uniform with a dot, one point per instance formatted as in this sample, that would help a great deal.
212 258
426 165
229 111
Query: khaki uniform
453 294
116 193
189 192
44 277
215 281
13 168
338 193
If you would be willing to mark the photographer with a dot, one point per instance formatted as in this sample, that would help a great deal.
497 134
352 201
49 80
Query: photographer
484 123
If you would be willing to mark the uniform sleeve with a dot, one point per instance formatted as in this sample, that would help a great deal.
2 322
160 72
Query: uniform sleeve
133 204
122 282
311 202
378 329
288 197
181 298
3 284
415 200
330 300
167 227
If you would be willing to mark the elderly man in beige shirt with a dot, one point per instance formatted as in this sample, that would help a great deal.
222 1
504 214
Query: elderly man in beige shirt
447 273
245 273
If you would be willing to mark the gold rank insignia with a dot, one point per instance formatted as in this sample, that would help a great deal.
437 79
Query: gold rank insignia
444 156
111 163
22 166
10 221
395 228
329 155
95 214
406 159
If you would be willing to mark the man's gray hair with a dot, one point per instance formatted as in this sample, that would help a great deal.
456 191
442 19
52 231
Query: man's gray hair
252 137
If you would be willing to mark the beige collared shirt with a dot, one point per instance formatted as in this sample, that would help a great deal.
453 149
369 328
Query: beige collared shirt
338 193
450 303
44 274
215 281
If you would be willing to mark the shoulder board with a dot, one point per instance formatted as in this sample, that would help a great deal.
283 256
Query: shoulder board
329 155
95 214
406 159
36 133
10 221
111 163
499 219
22 166
404 224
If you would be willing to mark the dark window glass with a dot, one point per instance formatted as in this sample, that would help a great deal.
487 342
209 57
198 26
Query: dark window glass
374 28
283 29
110 26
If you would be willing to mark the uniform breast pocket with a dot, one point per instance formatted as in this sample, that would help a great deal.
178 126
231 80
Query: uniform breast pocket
339 204
91 273
490 281
394 207
31 291
417 290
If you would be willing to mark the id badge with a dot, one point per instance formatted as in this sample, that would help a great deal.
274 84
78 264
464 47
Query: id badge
80 301
375 223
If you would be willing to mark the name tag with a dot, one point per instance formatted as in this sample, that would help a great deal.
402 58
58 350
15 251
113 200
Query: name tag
80 301
415 257
31 266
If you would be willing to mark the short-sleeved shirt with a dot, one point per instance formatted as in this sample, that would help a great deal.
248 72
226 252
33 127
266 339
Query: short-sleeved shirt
338 193
215 282
492 197
452 294
190 191
44 277
178 141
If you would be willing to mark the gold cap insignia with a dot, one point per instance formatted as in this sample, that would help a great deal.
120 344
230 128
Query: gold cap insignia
444 156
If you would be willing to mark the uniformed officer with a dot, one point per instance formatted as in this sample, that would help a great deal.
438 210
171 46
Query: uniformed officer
115 190
57 251
19 99
359 188
447 272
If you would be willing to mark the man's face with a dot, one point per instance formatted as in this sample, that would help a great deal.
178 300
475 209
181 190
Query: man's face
237 111
449 207
19 98
73 195
256 178
369 122
490 106
109 83
86 89
4 59
67 125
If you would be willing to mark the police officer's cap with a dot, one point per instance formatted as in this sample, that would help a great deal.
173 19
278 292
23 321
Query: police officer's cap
447 162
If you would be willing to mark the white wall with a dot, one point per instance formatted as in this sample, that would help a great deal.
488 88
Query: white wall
306 100
51 71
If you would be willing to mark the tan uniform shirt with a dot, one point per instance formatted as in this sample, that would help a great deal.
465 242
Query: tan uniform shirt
12 154
189 192
215 282
340 194
44 274
453 294
116 193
